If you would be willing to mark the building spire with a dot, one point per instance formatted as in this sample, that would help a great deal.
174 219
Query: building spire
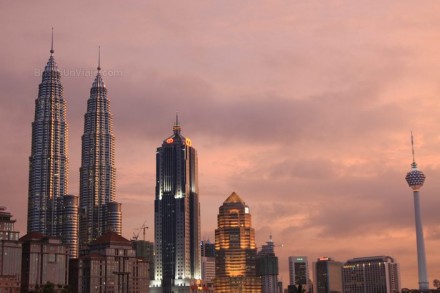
177 127
99 58
51 46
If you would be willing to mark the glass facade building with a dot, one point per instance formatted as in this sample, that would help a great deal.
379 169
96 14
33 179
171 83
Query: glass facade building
48 163
176 215
99 212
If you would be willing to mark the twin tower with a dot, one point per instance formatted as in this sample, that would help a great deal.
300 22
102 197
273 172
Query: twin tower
51 211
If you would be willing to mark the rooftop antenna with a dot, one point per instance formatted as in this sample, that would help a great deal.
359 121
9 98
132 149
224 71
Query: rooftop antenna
412 146
51 46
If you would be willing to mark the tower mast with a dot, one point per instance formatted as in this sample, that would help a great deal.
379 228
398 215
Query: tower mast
415 179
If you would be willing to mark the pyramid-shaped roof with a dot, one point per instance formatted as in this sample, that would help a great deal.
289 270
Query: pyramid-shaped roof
234 198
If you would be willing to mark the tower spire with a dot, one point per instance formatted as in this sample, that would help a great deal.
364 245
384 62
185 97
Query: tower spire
177 127
51 45
99 58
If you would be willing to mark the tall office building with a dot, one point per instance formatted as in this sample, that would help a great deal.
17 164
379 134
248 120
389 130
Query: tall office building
176 215
328 275
48 163
235 264
267 267
415 179
99 213
299 272
371 275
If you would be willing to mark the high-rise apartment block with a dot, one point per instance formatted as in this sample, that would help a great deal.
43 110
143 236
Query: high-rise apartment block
299 272
176 215
371 275
235 249
99 212
327 275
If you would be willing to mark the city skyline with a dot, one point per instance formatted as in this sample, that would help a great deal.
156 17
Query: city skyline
308 105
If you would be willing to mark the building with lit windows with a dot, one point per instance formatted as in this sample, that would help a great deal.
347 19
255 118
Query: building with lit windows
99 212
328 275
371 275
48 162
235 265
299 272
176 215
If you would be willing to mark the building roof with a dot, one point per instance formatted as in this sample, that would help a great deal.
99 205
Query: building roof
234 198
111 238
32 236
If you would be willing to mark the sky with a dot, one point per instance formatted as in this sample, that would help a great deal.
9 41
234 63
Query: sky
303 108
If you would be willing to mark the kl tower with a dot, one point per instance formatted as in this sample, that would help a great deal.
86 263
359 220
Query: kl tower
415 179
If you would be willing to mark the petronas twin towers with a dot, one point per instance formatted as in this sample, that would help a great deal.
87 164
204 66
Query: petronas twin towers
51 211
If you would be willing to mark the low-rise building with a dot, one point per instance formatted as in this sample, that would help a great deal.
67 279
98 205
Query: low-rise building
109 265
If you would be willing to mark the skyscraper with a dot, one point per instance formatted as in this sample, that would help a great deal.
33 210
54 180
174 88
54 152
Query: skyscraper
235 249
328 275
371 275
299 272
415 179
267 267
48 163
176 215
99 213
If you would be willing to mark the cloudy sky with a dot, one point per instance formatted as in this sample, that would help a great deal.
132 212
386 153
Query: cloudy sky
304 108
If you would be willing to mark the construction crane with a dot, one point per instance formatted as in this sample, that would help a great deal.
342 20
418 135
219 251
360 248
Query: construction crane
143 228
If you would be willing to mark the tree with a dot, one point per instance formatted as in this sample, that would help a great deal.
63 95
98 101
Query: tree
48 288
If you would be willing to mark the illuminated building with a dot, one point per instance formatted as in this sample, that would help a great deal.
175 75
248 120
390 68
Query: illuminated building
328 275
415 179
299 272
109 265
10 247
267 267
371 275
176 215
48 163
44 259
235 264
99 213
